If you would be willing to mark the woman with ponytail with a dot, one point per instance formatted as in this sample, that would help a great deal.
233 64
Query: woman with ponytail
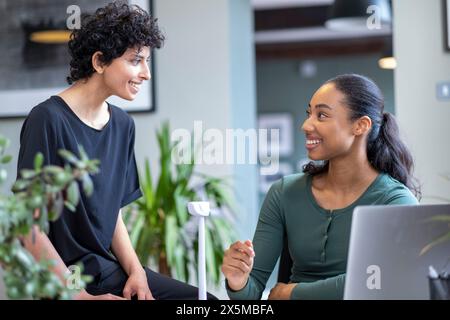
363 162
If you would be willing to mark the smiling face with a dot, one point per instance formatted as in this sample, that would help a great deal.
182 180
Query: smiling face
328 129
125 75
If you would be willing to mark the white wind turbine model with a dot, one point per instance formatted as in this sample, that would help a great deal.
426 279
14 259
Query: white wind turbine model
200 209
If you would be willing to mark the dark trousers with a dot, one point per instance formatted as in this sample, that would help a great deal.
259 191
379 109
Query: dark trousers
161 286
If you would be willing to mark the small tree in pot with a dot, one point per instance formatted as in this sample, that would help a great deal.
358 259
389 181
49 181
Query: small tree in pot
39 197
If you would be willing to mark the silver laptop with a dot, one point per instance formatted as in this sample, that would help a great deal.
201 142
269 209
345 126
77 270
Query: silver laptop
384 260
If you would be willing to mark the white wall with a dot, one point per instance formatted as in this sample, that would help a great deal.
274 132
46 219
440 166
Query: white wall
422 62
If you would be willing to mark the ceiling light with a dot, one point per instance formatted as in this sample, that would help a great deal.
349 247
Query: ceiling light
387 59
50 36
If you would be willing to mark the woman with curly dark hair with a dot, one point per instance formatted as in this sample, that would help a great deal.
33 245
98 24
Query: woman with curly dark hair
110 54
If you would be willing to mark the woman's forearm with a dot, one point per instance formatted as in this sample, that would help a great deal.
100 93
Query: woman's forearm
123 250
41 248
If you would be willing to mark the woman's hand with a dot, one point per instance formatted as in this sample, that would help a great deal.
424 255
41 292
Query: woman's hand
237 264
281 291
137 284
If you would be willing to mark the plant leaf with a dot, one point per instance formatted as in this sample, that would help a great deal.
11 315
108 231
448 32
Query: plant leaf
171 238
52 169
443 238
6 159
439 218
179 263
4 143
36 201
73 193
69 206
83 155
38 161
20 184
148 176
136 230
28 174
211 264
180 206
88 185
147 201
68 156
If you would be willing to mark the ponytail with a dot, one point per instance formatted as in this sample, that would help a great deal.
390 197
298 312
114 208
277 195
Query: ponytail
385 151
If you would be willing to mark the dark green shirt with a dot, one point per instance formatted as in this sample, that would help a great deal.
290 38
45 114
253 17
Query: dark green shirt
318 238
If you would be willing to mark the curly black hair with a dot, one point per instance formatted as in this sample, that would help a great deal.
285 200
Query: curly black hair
111 30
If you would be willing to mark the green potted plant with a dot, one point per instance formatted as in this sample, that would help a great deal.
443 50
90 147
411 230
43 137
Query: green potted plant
39 196
161 229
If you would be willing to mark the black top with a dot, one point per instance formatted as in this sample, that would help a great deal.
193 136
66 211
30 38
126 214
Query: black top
85 235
